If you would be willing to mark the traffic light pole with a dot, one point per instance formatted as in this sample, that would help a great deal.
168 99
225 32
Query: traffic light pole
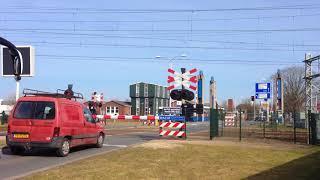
254 109
183 70
17 62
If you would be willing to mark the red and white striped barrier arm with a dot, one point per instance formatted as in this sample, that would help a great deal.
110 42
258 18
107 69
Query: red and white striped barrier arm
127 117
172 133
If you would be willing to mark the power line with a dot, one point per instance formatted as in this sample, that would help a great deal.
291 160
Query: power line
191 40
166 30
148 58
153 21
161 46
102 10
175 34
195 62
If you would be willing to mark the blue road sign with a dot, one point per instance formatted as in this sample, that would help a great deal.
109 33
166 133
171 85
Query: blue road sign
172 118
263 87
263 95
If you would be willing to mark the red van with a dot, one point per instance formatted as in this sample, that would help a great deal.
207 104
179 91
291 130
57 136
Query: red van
52 120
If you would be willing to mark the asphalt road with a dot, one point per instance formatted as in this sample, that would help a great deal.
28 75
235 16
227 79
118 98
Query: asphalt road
13 166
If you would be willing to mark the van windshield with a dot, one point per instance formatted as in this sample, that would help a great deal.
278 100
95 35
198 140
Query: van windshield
35 110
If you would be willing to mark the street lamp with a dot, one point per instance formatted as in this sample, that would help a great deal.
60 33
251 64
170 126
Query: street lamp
172 59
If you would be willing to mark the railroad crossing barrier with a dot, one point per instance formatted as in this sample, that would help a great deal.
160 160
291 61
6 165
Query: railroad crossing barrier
180 129
148 120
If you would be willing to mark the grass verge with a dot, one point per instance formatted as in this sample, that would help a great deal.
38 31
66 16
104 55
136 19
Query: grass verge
194 160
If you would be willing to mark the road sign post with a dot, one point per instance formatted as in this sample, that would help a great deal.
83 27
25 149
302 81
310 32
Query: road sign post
263 91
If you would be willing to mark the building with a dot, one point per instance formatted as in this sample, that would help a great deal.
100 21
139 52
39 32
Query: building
147 98
213 94
113 107
116 108
230 105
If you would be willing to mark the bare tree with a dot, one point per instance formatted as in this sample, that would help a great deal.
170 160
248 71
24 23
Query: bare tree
10 99
247 106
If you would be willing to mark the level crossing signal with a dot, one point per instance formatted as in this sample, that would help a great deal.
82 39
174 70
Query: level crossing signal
179 94
186 79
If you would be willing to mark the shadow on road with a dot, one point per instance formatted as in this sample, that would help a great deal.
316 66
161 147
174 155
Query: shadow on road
307 167
148 137
44 151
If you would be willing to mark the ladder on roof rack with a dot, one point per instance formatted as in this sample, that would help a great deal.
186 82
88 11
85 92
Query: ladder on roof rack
58 94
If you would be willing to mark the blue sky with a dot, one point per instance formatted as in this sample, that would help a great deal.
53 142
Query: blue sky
103 51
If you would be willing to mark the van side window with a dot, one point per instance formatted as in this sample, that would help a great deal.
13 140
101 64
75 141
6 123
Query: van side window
44 110
87 114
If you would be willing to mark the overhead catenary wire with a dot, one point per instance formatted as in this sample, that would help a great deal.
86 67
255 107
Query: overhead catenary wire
181 40
158 20
65 10
83 44
311 29
149 58
193 62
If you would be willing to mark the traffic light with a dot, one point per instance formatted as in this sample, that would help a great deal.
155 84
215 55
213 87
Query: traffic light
187 95
252 98
187 110
176 94
199 108
179 94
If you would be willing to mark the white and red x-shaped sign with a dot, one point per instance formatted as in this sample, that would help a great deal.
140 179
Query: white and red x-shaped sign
189 80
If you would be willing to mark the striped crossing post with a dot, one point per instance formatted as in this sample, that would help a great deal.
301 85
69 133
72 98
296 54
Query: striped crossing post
166 129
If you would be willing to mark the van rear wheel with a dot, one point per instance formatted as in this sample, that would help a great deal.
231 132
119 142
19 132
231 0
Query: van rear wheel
64 149
100 141
16 150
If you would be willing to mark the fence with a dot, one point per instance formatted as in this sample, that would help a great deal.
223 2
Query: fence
293 130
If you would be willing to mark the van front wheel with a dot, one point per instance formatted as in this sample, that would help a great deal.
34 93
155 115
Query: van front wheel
64 149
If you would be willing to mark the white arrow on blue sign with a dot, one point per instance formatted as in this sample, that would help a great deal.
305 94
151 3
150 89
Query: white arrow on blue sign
172 118
263 87
262 95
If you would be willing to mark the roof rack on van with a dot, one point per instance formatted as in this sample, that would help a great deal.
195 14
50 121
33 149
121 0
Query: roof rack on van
58 94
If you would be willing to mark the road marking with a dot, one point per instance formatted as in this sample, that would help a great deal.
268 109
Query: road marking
114 145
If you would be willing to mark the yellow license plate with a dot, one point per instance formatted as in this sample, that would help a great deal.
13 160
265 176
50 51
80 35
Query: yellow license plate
21 136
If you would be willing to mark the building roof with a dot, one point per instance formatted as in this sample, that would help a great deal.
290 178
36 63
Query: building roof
148 83
123 103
